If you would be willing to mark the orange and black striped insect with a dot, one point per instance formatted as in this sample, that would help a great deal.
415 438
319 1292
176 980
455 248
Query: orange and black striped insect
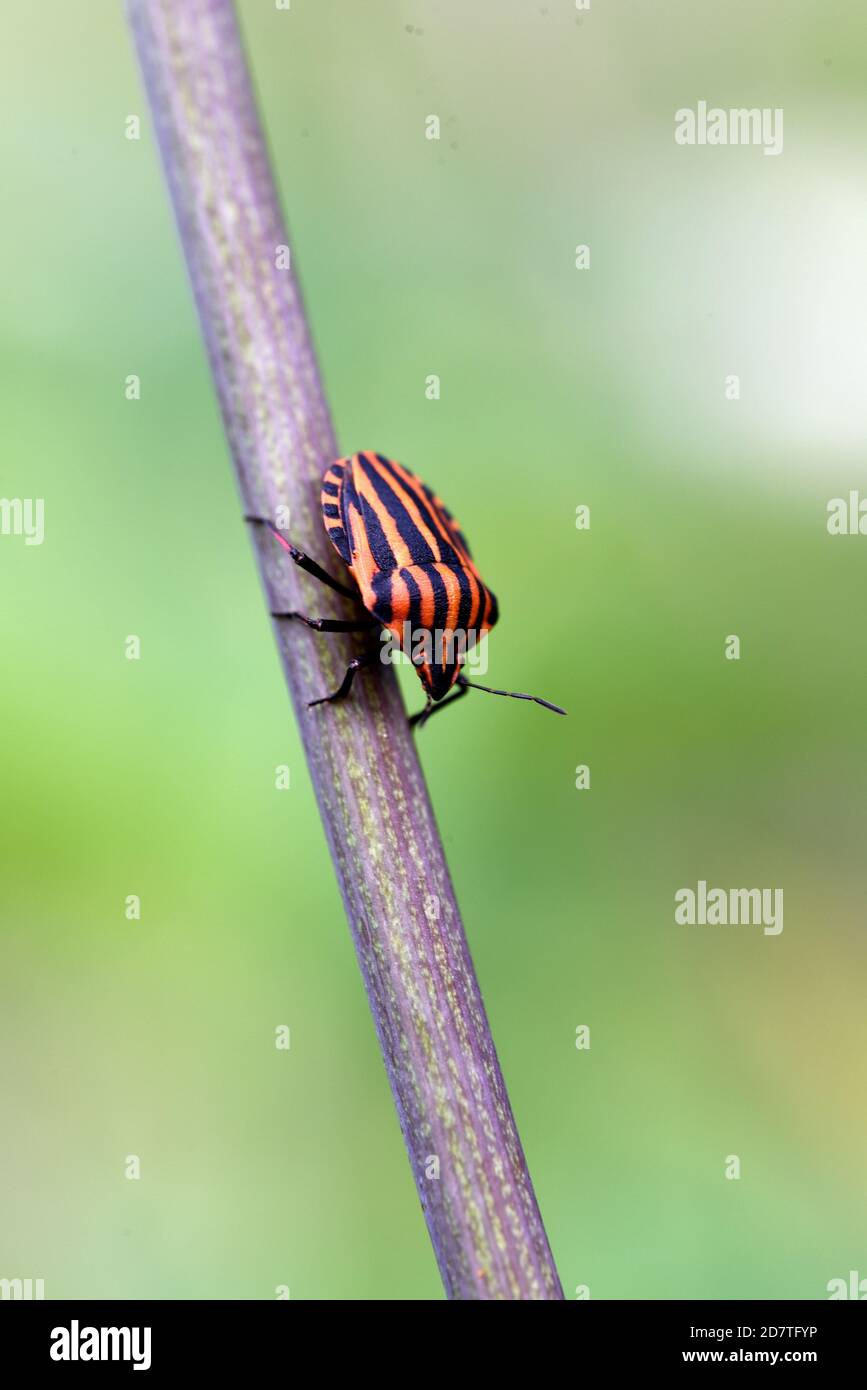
413 572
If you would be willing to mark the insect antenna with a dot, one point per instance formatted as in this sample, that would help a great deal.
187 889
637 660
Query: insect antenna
512 694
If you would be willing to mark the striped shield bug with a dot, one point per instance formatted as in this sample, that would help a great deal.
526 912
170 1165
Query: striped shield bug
412 570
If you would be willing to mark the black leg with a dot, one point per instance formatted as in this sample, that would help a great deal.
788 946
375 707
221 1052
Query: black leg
346 684
419 720
303 561
331 624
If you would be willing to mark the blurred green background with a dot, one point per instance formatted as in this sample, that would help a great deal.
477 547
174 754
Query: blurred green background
560 387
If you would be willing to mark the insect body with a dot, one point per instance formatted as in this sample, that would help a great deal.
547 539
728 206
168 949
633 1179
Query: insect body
413 570
411 563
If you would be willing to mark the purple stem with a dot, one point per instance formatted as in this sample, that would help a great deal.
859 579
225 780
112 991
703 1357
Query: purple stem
449 1092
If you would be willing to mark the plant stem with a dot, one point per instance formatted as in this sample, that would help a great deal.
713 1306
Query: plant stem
450 1096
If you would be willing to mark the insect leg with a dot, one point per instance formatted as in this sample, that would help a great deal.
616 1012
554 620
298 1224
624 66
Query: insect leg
331 624
303 561
420 719
346 684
